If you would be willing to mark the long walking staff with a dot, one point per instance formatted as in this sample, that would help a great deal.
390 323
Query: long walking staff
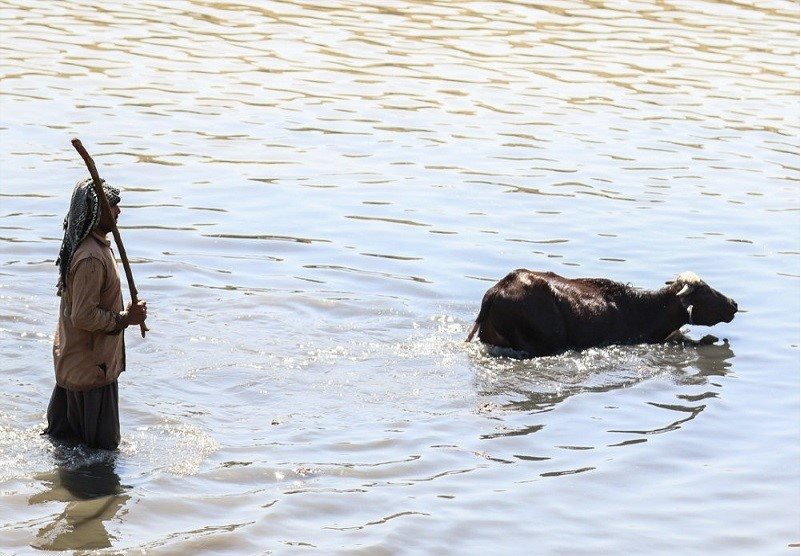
106 209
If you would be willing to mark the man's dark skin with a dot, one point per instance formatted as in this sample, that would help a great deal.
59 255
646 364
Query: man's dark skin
133 314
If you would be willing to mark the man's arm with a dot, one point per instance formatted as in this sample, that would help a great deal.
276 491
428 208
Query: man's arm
87 283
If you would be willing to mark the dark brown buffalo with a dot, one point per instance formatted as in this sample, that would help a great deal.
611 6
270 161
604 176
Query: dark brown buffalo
542 313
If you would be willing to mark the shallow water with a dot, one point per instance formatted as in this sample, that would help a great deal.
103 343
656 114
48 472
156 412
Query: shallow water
315 198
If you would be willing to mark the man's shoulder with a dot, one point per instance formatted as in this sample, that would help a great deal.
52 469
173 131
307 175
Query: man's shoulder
91 247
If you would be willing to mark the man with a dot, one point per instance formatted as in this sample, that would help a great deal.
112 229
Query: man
89 348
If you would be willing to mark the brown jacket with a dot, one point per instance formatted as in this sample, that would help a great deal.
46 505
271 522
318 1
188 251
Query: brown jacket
89 347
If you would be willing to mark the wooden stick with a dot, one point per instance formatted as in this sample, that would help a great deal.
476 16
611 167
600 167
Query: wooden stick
106 209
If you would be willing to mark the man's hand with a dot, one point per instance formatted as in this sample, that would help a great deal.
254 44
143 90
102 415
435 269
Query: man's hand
136 314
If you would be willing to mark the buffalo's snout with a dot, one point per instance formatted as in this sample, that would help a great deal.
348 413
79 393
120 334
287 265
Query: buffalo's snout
732 309
726 308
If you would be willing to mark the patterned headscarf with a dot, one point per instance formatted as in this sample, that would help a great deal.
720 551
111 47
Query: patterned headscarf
83 217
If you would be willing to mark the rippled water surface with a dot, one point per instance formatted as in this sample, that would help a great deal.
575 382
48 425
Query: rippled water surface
315 197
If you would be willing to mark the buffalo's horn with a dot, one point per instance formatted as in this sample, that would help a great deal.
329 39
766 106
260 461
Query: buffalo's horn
685 290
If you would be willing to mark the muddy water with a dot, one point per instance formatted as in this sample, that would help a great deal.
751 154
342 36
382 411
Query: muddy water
315 198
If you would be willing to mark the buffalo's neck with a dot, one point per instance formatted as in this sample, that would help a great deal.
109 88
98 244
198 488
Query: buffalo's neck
653 316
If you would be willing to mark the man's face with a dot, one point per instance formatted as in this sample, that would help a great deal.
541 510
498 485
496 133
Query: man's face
104 224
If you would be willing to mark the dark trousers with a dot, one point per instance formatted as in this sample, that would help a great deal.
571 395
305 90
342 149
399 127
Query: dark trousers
91 416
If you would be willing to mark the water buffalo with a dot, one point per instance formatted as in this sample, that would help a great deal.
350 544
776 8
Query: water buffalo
542 313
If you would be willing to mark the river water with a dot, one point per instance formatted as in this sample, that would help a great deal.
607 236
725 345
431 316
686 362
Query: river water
316 196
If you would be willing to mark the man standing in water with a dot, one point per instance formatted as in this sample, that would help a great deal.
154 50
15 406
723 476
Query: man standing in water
89 347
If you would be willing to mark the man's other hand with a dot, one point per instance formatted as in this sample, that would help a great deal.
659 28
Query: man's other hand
137 314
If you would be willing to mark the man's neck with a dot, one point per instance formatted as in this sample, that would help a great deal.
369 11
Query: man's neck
101 235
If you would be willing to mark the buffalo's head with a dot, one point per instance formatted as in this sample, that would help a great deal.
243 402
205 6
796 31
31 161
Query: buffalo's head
705 305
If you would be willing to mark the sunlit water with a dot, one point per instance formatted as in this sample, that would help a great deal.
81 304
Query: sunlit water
315 198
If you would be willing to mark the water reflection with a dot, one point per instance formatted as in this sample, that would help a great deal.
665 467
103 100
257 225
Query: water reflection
691 411
87 481
540 385
713 360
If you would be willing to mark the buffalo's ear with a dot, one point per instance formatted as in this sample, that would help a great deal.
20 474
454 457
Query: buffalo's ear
670 282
